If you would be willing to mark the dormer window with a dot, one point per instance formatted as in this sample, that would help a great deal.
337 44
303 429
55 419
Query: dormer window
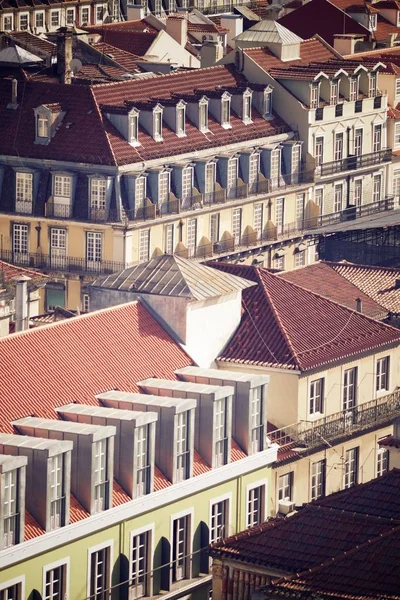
398 18
372 85
353 92
203 115
334 95
314 95
267 103
221 432
247 98
98 188
100 471
57 491
180 120
42 126
140 192
134 128
182 446
373 21
226 111
157 124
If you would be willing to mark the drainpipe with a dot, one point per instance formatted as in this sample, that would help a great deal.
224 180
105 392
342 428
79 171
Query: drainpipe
348 177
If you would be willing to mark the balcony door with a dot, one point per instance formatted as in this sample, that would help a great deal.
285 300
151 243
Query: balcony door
358 142
20 244
58 247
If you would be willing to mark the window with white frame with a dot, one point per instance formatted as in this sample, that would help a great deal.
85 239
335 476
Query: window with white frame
300 205
358 188
99 13
139 567
373 19
300 258
20 242
61 196
100 574
57 495
98 198
225 112
232 173
163 187
85 15
267 103
203 115
187 182
396 186
275 164
219 521
209 183
94 246
256 419
338 198
23 21
376 188
70 16
180 548
214 228
220 432
319 151
142 457
55 583
255 505
247 107
319 198
317 396
191 237
254 168
334 92
296 161
382 461
285 486
349 388
10 509
237 224
55 18
134 128
42 126
338 154
182 446
157 125
318 479
279 262
100 472
11 591
397 134
24 192
372 82
8 23
351 468
358 142
353 88
397 87
39 20
279 214
314 95
140 191
382 374
180 120
144 245
258 219
377 139
169 239
398 18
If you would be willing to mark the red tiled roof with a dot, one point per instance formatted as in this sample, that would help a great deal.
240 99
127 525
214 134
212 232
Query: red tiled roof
119 495
384 29
160 481
199 464
140 25
76 510
236 452
34 43
330 284
125 59
306 333
32 527
8 271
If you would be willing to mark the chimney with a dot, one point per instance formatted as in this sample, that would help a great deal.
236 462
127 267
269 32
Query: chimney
21 303
346 43
359 305
397 284
14 95
64 54
135 12
234 25
211 53
176 27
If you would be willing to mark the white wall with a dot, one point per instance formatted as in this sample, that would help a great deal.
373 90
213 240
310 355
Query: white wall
166 49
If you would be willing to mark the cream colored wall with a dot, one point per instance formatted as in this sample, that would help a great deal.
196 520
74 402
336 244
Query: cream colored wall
166 49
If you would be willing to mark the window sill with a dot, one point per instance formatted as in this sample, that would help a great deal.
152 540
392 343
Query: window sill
185 585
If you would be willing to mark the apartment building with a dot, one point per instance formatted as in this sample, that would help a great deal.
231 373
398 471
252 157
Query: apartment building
116 469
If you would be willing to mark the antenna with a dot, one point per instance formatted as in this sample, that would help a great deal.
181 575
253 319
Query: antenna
76 65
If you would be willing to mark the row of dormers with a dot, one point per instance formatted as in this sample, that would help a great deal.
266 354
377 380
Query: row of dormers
126 437
349 87
173 112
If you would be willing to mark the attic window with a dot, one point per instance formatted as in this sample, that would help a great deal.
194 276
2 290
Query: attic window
157 125
203 115
226 112
314 95
373 21
247 97
134 128
398 18
372 85
42 126
353 93
180 120
267 103
334 95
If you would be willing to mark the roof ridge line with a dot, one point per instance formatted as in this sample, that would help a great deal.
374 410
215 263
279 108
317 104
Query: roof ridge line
357 266
103 129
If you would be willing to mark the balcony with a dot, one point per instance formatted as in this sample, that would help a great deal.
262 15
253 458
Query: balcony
339 426
24 207
61 211
350 213
351 163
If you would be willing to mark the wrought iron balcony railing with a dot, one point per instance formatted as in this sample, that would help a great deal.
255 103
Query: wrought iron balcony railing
351 163
333 428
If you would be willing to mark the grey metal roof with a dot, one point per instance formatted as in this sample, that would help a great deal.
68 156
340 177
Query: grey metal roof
179 404
253 379
170 275
35 443
97 431
267 31
18 56
9 462
137 417
218 391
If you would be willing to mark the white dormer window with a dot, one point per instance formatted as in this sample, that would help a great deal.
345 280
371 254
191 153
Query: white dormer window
98 198
187 182
85 15
203 115
23 21
334 95
157 125
373 22
353 93
247 97
314 95
163 187
372 85
134 128
140 192
42 126
8 23
70 16
267 103
55 18
226 111
100 475
180 120
39 20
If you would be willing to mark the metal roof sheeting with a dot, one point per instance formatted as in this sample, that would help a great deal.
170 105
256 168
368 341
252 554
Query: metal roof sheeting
269 32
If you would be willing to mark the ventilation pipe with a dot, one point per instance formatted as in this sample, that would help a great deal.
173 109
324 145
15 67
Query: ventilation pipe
21 303
358 305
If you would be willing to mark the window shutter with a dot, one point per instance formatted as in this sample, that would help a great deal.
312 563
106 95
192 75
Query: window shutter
165 582
204 541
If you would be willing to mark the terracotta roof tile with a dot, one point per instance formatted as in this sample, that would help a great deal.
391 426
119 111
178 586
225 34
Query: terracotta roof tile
310 50
76 510
160 481
236 452
8 271
32 527
119 495
199 464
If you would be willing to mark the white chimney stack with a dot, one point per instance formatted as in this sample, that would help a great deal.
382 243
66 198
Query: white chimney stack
135 12
21 303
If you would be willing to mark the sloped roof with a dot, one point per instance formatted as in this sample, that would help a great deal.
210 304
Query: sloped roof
8 271
171 275
18 56
306 333
321 277
267 31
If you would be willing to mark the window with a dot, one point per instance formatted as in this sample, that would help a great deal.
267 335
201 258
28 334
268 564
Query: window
144 245
353 91
61 196
382 461
23 21
372 82
338 198
70 16
214 228
157 123
99 14
397 87
55 292
300 202
55 18
225 112
318 477
85 303
396 186
338 146
254 167
377 142
55 584
163 187
247 108
373 21
139 579
57 497
220 432
319 198
100 470
187 182
358 192
319 151
279 262
358 142
237 224
203 116
232 175
258 219
94 246
285 486
8 23
255 506
20 242
219 521
192 236
279 214
180 549
39 20
169 239
182 446
12 591
10 509
24 192
140 192
142 461
100 574
275 164
257 420
382 374
85 15
350 388
314 96
334 92
317 396
98 198
377 187
267 103
209 185
351 468
134 128
397 134
300 258
180 121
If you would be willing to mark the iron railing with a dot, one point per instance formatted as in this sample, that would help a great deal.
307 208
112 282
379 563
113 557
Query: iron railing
353 162
61 263
332 428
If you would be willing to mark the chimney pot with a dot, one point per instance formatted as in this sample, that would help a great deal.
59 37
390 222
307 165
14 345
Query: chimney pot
358 305
14 95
